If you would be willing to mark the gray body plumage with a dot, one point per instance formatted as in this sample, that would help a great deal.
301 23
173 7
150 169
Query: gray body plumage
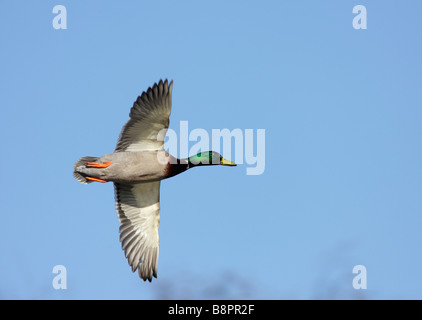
131 167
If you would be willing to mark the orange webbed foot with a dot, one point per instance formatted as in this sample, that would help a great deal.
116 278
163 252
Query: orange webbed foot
96 179
98 164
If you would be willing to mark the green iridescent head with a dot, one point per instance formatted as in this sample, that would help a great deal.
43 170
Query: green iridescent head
208 158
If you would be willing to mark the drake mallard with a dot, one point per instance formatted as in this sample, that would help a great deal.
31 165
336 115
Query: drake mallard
136 167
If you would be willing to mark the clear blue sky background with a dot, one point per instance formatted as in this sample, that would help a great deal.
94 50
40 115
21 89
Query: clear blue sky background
342 111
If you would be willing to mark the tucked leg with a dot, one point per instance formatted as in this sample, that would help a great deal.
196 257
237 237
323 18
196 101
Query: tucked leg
98 164
96 179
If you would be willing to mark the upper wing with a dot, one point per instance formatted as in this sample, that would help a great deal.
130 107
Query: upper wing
149 120
138 207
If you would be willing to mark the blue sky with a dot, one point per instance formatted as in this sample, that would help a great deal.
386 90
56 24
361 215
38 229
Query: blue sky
341 109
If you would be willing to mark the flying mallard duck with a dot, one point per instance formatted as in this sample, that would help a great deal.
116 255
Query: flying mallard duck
136 167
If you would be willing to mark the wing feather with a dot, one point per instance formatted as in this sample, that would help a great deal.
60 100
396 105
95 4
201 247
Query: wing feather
149 120
138 208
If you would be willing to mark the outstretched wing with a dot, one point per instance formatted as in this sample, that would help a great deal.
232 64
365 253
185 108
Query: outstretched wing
138 207
149 120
